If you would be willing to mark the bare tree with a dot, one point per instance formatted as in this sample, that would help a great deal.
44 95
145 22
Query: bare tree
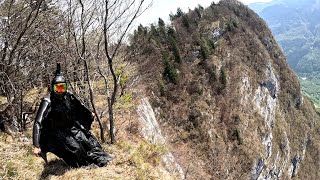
89 36
110 22
31 41
86 20
119 16
17 20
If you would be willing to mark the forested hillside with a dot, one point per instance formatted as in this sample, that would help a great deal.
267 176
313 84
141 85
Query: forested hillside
225 95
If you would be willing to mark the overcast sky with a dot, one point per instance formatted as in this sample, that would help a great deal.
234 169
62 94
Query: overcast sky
162 8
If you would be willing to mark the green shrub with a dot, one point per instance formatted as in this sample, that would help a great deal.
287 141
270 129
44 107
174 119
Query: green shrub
212 74
161 87
170 72
231 25
222 81
125 101
186 21
204 52
175 50
154 31
148 153
195 117
162 27
177 15
179 12
204 49
172 33
223 78
142 30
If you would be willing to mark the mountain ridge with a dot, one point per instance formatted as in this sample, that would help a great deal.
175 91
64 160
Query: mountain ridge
224 87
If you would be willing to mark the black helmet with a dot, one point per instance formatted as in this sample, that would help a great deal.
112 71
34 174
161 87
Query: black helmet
58 79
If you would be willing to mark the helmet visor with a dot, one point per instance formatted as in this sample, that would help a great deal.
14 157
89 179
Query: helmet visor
60 87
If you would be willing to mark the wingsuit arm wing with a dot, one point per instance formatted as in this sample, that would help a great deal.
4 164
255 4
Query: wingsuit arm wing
84 114
38 121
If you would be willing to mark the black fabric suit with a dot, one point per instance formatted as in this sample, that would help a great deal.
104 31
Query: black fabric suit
62 127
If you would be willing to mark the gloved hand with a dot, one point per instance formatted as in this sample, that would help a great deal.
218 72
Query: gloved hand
93 115
36 151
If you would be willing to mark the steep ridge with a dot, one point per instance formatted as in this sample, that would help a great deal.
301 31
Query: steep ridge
224 97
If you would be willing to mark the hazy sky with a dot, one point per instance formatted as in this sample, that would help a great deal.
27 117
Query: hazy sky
162 8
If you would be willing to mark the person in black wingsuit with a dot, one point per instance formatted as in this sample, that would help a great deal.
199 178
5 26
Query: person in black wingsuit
62 127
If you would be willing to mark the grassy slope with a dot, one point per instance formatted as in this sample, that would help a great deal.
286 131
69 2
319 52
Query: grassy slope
134 159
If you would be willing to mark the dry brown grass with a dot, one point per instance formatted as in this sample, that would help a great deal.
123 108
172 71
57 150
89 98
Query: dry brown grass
133 159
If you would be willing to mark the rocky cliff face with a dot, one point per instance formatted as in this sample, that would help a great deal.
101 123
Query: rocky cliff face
151 131
231 108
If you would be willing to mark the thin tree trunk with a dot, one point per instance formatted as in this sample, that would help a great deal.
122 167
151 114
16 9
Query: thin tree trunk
92 102
113 53
82 57
112 99
21 108
111 120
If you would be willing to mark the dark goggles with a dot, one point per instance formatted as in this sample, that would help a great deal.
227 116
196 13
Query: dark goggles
60 87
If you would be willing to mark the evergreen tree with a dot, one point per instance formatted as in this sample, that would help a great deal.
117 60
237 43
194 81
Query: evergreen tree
162 27
175 50
170 72
223 78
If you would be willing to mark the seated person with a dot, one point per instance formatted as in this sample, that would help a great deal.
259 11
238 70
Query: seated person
62 127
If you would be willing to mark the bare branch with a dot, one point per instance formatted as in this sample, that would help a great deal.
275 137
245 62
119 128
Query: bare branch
29 22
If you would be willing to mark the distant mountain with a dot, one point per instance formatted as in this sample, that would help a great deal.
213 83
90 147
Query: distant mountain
296 26
259 6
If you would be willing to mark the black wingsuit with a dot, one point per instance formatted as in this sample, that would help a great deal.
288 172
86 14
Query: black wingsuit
62 127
